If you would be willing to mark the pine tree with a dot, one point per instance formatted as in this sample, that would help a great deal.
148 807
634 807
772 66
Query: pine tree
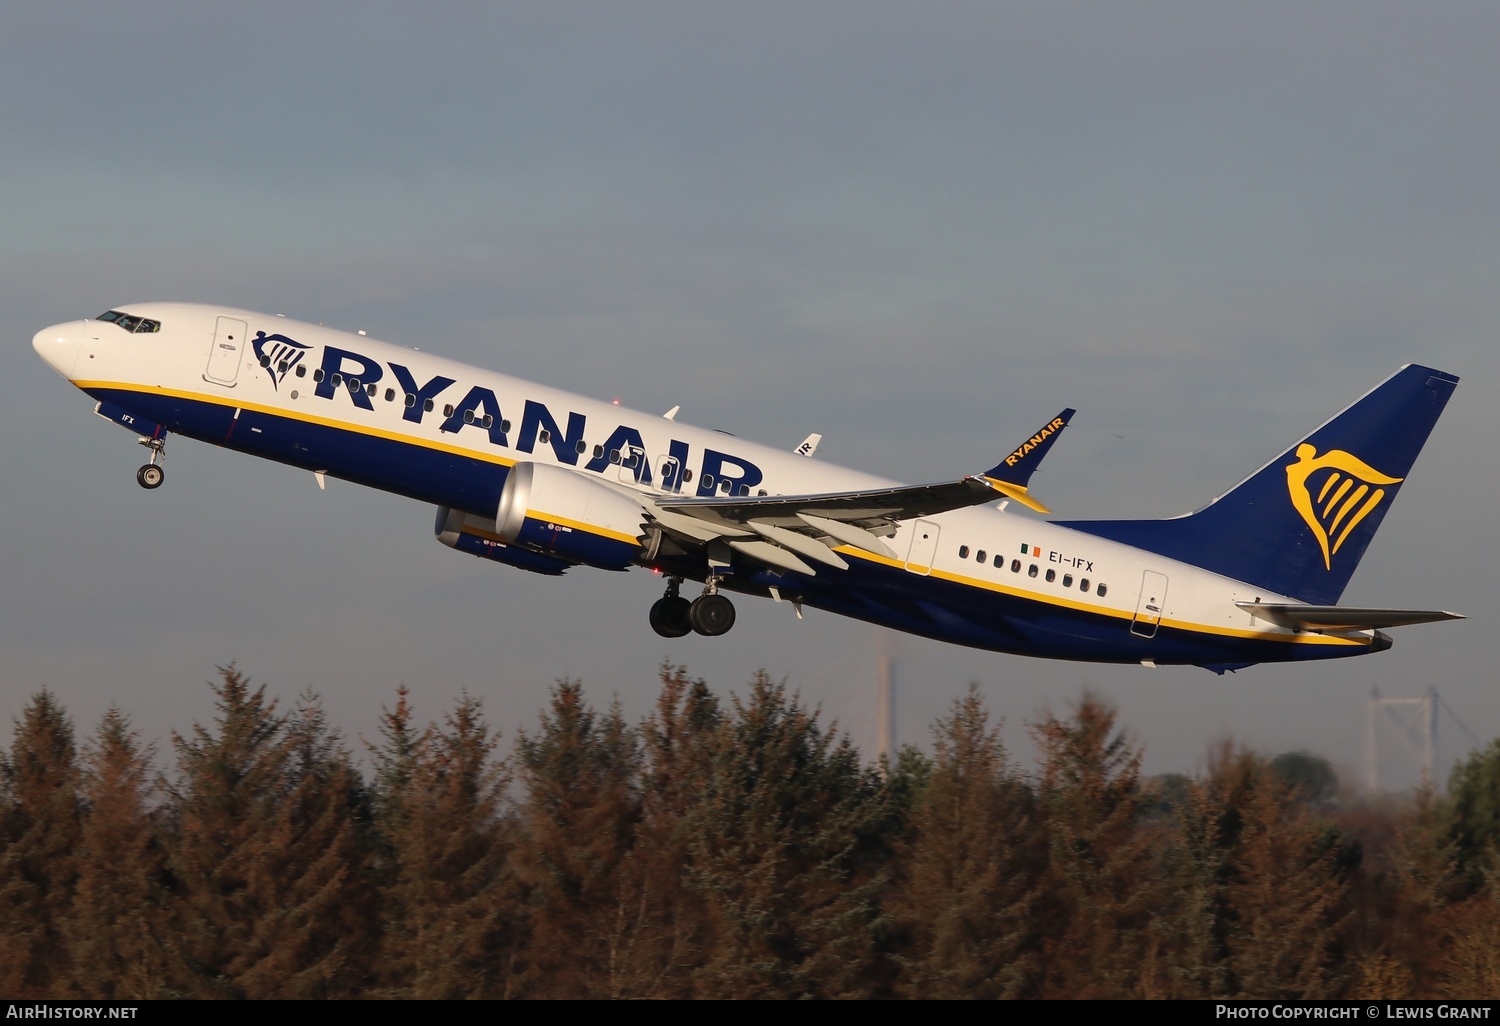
580 806
452 911
1260 882
40 825
788 846
120 906
667 931
970 867
1096 897
271 879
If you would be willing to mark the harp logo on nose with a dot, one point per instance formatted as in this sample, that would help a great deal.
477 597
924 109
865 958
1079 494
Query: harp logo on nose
278 355
1334 492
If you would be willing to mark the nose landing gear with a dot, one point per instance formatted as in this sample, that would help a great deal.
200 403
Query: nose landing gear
710 614
151 475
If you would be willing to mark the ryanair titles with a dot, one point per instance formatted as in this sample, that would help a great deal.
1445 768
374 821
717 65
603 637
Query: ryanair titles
718 473
1034 441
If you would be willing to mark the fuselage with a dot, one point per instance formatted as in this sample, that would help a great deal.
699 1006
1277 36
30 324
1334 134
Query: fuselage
442 432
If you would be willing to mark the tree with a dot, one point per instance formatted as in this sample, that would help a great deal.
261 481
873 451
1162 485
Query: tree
580 807
40 824
1260 882
1309 776
787 845
1096 895
120 905
450 921
970 867
270 876
1473 814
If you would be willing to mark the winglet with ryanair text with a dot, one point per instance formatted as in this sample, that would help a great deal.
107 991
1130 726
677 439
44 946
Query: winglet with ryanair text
1010 476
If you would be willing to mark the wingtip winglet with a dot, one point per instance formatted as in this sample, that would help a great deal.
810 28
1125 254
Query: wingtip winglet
1018 466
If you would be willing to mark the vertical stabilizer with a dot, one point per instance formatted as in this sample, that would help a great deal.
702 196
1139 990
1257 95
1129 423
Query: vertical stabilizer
1299 525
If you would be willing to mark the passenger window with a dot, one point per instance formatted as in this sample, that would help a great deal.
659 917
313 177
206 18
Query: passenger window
468 416
336 380
302 372
1083 584
411 401
1032 571
390 395
1051 576
979 555
318 374
505 425
614 455
281 368
581 446
761 492
1015 566
1102 590
265 361
725 486
598 451
427 406
448 410
488 420
963 552
687 475
544 436
999 561
1067 580
354 384
370 391
707 482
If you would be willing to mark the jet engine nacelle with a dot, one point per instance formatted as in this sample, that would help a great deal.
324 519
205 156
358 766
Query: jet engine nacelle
476 536
570 516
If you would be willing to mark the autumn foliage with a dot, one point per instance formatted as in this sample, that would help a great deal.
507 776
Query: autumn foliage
722 848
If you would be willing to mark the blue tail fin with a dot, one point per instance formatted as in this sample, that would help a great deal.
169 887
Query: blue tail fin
1299 525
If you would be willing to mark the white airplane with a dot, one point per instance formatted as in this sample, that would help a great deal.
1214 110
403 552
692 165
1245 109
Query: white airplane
546 480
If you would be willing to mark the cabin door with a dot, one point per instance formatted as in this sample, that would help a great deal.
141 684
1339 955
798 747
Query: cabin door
1152 601
924 541
224 356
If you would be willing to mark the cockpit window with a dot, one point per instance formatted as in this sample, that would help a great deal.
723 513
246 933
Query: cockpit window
133 324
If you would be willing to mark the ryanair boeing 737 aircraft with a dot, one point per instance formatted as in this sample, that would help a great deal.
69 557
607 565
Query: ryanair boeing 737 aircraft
546 481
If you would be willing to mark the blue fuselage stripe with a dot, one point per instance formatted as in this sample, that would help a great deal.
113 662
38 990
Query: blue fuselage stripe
932 607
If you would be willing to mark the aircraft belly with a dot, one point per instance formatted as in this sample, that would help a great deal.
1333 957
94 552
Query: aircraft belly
962 614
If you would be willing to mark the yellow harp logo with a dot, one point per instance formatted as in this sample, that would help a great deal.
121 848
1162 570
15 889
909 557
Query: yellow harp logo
1348 490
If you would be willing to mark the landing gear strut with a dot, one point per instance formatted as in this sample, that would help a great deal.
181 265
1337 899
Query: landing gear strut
670 614
151 475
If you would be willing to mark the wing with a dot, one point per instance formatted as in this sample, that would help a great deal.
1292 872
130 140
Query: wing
788 531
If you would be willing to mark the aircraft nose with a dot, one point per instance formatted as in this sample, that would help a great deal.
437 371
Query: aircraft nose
59 346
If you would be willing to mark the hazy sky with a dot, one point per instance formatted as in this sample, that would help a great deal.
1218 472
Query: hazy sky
919 229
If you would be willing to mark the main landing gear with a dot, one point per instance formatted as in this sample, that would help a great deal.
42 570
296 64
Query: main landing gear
151 475
710 614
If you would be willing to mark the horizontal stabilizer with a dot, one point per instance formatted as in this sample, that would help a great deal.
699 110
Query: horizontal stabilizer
1341 618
